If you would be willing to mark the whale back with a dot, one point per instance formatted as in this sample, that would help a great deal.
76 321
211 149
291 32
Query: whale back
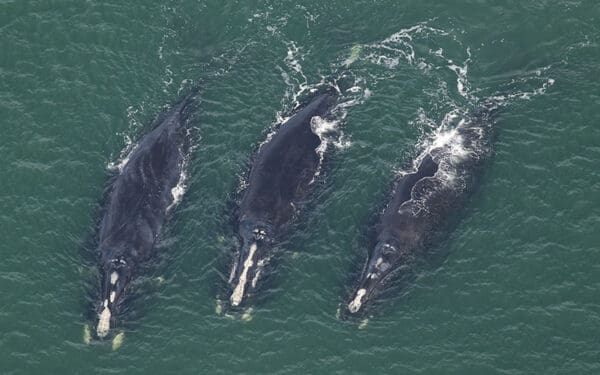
285 166
141 194
444 173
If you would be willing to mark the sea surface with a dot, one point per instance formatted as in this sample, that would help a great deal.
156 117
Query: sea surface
510 286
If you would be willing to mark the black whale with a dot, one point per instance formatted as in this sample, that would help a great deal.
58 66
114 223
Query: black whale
423 199
280 178
138 201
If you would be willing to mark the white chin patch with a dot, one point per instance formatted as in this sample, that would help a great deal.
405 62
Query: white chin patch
238 292
103 322
355 305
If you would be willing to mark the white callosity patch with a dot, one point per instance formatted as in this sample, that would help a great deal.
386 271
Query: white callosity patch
355 305
259 234
378 267
232 273
238 292
104 321
114 277
255 278
260 265
113 294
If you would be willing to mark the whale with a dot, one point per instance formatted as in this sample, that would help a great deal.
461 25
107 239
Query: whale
423 198
137 203
281 178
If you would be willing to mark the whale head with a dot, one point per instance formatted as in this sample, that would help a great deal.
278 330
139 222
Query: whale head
249 261
377 271
116 274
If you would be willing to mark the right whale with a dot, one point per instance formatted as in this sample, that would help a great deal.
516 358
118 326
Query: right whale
281 179
422 199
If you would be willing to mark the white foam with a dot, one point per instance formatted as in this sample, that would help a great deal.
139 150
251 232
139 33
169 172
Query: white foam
505 99
356 304
399 46
238 292
179 190
125 155
168 79
462 84
322 128
294 78
130 147
292 57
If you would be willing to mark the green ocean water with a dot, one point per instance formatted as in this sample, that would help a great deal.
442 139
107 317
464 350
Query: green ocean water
511 288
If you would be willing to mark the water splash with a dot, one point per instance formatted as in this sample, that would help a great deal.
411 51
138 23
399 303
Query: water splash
443 135
179 190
